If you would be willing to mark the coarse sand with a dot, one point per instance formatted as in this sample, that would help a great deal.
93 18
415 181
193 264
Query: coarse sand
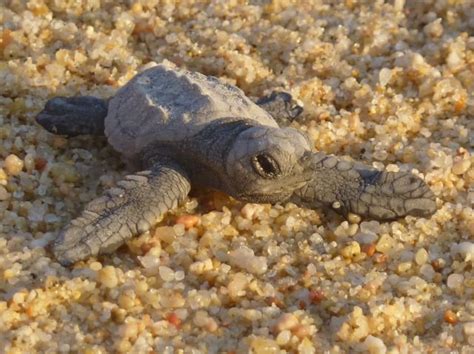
388 83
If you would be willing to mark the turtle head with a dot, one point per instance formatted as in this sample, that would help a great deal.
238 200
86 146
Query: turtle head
267 164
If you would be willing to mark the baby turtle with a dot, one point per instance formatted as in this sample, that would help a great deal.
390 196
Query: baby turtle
184 128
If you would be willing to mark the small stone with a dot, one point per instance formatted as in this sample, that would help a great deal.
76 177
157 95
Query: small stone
250 210
434 28
301 331
245 258
264 345
283 337
237 285
421 256
4 195
455 281
366 238
201 267
166 234
354 218
3 177
438 264
179 275
306 347
108 277
203 320
403 267
385 244
351 250
370 227
380 258
286 321
150 260
450 317
316 296
468 328
173 319
40 163
188 221
461 167
96 266
126 302
384 76
166 273
465 250
368 249
13 165
374 345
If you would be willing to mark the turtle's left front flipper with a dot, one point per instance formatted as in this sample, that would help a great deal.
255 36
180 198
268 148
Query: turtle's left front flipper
348 187
123 212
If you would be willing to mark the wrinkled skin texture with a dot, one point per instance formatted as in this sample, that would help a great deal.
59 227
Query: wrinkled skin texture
367 192
122 212
249 161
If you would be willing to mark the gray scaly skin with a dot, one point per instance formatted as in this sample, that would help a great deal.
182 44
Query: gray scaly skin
243 153
348 187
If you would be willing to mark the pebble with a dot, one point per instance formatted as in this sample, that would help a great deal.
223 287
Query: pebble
468 328
201 267
149 261
461 167
403 267
385 244
384 76
369 249
4 195
108 277
434 28
283 337
301 331
3 177
13 165
450 317
245 258
166 273
374 345
203 320
264 345
236 286
421 256
166 234
455 281
286 321
465 249
188 221
351 250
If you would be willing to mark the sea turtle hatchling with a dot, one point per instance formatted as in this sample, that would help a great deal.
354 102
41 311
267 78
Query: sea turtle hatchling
185 128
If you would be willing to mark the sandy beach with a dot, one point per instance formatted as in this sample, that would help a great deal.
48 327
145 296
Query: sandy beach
389 84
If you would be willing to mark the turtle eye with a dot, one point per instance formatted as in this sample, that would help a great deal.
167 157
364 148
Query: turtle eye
265 166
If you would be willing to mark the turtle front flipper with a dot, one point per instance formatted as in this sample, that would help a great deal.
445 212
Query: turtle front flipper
73 116
131 208
281 106
348 187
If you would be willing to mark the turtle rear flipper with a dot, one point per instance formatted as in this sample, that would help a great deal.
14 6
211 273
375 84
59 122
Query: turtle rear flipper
71 116
130 209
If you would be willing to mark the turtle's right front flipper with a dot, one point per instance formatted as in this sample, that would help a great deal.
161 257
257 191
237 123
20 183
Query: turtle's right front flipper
73 116
281 106
362 190
131 208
